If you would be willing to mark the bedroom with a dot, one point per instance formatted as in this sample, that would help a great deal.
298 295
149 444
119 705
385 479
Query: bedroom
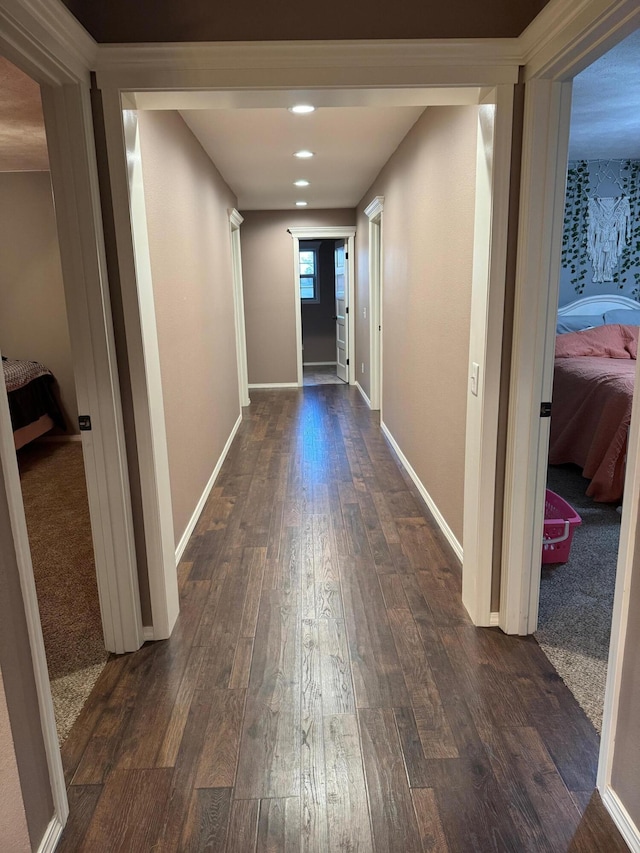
39 377
596 347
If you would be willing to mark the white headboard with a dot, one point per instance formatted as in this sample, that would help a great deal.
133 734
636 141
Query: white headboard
598 305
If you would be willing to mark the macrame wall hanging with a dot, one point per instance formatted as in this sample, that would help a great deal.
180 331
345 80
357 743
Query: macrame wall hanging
608 233
609 227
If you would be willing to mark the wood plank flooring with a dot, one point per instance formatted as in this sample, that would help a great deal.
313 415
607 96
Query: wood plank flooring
324 689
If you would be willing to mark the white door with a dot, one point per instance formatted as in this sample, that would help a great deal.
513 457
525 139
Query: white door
342 309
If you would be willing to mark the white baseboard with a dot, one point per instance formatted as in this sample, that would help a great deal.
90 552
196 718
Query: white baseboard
620 816
363 394
182 544
494 619
274 385
426 497
147 633
52 836
319 363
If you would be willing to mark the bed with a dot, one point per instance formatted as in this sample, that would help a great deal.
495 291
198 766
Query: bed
33 405
593 390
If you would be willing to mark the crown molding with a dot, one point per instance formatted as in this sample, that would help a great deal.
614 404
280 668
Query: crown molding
375 207
567 35
45 34
235 217
340 63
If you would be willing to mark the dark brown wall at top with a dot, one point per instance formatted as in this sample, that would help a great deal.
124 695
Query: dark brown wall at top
318 325
202 20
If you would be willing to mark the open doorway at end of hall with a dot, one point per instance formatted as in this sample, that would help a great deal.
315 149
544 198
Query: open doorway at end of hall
318 296
40 387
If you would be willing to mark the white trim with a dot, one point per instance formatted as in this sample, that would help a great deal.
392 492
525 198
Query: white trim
9 472
324 232
68 120
319 363
49 39
363 393
127 193
621 600
568 35
426 497
184 539
622 819
375 207
374 213
235 218
51 836
491 227
235 221
494 619
546 133
299 64
273 385
148 633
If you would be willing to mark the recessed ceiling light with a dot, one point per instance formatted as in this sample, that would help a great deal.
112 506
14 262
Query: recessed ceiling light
301 109
301 183
301 204
304 154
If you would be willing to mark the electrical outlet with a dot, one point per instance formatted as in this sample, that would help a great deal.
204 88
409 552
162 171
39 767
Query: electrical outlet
362 367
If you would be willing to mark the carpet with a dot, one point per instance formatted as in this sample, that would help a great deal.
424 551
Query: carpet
57 513
576 599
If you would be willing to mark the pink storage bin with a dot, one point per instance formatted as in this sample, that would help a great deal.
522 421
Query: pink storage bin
560 522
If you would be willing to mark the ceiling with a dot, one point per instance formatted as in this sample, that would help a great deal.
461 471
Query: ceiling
605 114
253 149
122 21
23 145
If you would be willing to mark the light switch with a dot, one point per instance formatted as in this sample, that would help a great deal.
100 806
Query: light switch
364 312
475 376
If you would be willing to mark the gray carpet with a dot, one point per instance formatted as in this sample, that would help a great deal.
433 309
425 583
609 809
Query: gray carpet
576 599
57 512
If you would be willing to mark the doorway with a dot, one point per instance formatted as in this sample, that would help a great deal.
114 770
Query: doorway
599 300
324 288
41 394
322 307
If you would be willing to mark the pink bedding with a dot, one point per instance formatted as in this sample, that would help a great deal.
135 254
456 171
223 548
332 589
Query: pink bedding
590 418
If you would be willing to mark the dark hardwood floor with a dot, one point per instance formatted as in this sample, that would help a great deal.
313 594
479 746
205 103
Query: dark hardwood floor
324 689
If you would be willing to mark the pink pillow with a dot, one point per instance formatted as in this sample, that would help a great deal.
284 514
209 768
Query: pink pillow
610 341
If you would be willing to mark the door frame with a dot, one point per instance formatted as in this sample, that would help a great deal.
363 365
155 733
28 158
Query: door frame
374 212
548 76
323 232
235 221
47 43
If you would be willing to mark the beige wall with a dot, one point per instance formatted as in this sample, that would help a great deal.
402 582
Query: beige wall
33 319
269 296
190 247
13 822
429 194
20 689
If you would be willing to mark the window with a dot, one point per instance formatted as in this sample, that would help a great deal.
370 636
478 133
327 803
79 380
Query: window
309 275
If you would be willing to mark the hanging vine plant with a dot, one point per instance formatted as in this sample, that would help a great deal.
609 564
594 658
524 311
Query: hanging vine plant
629 275
574 238
583 180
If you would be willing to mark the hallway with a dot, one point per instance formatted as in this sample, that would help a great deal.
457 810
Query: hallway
324 689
